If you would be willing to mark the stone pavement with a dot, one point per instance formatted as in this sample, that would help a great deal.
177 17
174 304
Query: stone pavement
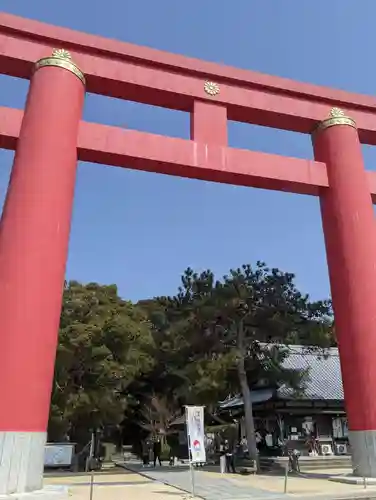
312 485
165 482
209 486
124 486
309 485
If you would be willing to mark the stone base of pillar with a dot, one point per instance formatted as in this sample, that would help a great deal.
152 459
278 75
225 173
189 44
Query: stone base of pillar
21 462
350 479
363 453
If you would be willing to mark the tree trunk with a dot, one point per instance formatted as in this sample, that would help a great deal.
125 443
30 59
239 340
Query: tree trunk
246 393
248 412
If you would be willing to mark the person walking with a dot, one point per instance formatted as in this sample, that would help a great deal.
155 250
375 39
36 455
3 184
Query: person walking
230 459
157 450
145 453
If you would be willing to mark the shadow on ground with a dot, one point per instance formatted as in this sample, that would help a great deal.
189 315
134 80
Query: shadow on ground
169 493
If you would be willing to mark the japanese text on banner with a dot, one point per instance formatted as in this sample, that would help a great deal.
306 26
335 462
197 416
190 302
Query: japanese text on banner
196 433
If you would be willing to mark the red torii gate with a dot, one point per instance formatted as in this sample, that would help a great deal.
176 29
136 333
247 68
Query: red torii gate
49 136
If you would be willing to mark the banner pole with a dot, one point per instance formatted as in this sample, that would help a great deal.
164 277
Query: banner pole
190 454
192 480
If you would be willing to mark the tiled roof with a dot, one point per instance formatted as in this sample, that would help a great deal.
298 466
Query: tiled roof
256 396
323 381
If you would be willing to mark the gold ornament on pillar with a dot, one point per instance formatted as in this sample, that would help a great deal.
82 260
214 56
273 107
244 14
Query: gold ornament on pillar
61 58
336 117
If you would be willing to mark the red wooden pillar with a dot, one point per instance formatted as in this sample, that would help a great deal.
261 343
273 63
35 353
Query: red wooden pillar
34 234
350 238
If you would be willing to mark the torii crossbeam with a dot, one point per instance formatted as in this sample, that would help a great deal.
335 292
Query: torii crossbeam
49 137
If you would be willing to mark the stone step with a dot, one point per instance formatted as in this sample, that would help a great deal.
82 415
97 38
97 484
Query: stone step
307 463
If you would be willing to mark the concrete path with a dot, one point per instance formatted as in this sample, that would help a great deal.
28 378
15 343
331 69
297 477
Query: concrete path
124 486
175 483
313 485
208 486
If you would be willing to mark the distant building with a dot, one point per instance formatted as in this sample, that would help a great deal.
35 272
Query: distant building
317 411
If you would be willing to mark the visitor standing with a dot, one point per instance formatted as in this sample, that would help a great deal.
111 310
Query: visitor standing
157 451
244 447
145 453
230 459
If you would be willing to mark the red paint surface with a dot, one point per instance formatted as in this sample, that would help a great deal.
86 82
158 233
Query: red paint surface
34 234
35 226
166 155
350 237
145 75
44 34
209 123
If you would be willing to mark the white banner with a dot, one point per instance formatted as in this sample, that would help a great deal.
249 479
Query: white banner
196 433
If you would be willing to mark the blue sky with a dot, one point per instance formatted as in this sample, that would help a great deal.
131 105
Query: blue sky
141 230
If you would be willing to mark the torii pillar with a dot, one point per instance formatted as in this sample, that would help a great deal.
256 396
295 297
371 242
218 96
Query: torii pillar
34 234
350 238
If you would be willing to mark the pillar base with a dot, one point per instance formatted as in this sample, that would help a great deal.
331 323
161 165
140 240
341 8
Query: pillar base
47 493
351 479
22 462
363 453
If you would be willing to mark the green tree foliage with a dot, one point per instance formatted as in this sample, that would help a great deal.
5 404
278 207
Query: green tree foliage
144 362
228 334
186 370
104 344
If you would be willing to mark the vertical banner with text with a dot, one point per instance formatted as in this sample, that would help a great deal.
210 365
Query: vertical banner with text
196 433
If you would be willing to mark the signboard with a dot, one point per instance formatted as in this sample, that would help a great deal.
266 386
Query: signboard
58 454
196 433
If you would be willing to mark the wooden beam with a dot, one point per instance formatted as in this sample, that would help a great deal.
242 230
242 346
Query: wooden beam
146 75
166 155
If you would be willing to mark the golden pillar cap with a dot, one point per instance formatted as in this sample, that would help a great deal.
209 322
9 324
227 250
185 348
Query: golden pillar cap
62 59
336 117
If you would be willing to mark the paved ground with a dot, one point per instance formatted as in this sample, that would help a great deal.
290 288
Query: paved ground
214 486
210 486
165 483
310 485
124 486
